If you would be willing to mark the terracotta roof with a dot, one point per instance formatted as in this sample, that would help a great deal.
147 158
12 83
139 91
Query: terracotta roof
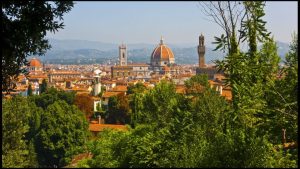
110 94
107 82
101 127
290 145
64 72
120 88
227 94
138 64
123 67
40 76
180 89
95 98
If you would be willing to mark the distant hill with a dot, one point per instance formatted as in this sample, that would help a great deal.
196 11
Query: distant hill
88 52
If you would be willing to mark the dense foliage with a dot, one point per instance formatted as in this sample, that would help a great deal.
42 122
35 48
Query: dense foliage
185 132
42 131
118 110
15 115
85 103
62 132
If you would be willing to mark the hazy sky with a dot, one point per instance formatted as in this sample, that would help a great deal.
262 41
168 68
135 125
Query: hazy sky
145 22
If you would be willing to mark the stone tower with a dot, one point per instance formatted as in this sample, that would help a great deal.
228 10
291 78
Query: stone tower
122 55
201 51
97 81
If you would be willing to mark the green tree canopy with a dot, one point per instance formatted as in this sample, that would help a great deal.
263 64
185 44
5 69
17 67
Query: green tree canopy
118 110
44 86
29 90
63 131
51 95
20 124
137 88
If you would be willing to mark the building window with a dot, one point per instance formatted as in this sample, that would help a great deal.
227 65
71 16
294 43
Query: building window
123 55
165 63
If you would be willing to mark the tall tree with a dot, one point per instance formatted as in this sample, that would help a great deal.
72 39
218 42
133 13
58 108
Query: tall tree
63 131
282 99
197 84
118 110
51 95
29 90
14 127
137 88
20 125
25 24
85 103
44 86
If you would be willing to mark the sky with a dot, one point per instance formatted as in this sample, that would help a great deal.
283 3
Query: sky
179 22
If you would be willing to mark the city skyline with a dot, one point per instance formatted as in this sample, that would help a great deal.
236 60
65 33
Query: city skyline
146 22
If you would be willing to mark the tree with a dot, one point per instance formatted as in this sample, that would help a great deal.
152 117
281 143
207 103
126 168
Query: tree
51 95
43 86
136 106
282 99
20 125
252 78
229 16
85 103
14 127
137 88
63 131
29 90
183 132
25 24
118 110
197 84
103 149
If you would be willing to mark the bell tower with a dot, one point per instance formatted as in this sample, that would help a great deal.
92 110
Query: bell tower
201 51
122 55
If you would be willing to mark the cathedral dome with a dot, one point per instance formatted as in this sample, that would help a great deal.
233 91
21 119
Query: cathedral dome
162 53
35 63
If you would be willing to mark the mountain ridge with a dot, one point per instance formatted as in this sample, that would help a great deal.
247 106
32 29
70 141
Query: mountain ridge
87 52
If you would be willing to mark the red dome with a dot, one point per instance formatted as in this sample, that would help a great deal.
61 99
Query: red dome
162 53
35 63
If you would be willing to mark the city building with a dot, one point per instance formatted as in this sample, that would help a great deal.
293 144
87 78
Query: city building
203 68
162 61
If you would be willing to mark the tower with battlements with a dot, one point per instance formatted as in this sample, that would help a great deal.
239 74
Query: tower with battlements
201 51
